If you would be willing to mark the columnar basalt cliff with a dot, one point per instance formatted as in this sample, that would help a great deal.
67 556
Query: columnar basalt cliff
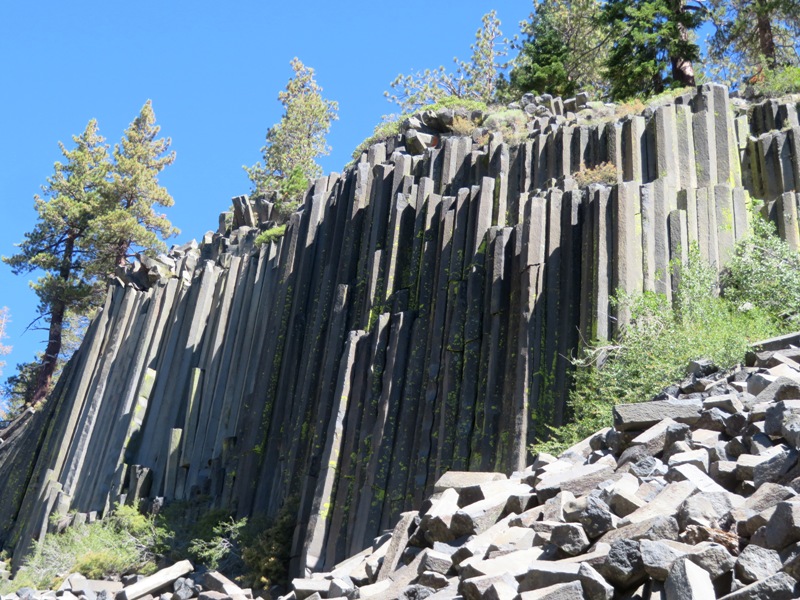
416 317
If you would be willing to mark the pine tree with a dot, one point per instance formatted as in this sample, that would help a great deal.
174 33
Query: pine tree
92 213
652 45
129 220
563 51
475 79
752 34
19 389
296 141
61 244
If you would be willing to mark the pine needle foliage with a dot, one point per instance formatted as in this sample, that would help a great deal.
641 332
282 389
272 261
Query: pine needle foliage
94 211
295 142
652 46
475 79
563 51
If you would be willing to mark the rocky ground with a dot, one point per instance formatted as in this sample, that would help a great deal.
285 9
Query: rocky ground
690 496
176 582
693 495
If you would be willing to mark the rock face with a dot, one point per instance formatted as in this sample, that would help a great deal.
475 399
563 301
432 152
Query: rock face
414 318
697 534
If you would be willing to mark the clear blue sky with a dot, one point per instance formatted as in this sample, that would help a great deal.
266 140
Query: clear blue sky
213 71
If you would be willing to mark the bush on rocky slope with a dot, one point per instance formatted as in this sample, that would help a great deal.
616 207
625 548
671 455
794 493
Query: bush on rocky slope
760 299
121 543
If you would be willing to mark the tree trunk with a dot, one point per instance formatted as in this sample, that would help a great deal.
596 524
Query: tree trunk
766 42
682 68
683 71
58 310
122 253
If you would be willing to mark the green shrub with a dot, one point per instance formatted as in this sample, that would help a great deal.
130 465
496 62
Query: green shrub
292 187
605 172
655 348
512 123
765 272
384 130
455 102
254 552
222 551
121 543
266 548
184 528
462 125
774 83
271 235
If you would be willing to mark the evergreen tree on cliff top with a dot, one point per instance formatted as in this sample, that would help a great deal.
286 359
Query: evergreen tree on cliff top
295 142
563 52
60 243
475 79
751 35
91 214
652 47
129 221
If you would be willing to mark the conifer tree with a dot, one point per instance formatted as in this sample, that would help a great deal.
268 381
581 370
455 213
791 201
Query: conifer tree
91 214
752 34
294 143
563 51
475 79
652 46
129 219
19 389
61 245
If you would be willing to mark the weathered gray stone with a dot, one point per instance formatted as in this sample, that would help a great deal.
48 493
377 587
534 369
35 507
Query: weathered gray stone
666 502
511 540
623 566
433 580
712 557
216 581
438 562
776 587
658 556
475 493
478 517
570 538
478 588
698 458
459 480
157 580
708 509
595 587
395 546
655 528
756 563
596 517
687 581
646 414
542 574
559 591
783 527
436 521
781 388
577 480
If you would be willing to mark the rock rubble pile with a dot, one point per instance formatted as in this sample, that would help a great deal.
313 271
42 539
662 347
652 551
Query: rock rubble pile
535 115
179 581
693 495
